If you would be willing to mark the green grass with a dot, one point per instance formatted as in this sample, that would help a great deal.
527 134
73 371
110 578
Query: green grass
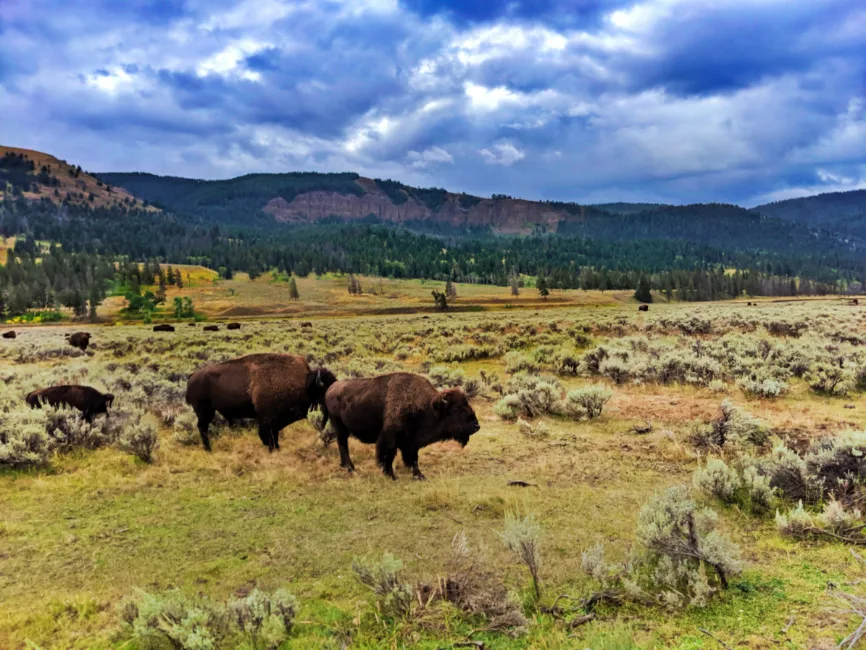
79 535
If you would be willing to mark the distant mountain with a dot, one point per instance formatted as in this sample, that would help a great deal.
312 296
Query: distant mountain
35 175
627 208
843 212
310 198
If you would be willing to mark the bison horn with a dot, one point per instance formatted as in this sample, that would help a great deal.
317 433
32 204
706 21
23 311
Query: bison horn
319 382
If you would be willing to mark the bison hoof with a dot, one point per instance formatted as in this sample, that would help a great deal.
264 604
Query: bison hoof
419 477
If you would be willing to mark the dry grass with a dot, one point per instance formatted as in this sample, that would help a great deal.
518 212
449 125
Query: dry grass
77 536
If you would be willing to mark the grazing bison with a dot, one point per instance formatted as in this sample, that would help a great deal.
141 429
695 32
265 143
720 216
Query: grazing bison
9 335
79 340
273 389
211 328
163 327
84 398
397 411
643 308
233 326
190 324
306 323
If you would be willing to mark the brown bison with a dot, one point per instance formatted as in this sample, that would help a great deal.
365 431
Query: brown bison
397 411
273 389
643 308
79 340
233 326
84 398
9 335
211 328
163 327
190 324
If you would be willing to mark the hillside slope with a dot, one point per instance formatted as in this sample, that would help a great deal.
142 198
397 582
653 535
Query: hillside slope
844 212
36 175
310 198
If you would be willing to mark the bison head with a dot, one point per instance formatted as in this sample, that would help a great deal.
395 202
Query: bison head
318 382
456 417
109 400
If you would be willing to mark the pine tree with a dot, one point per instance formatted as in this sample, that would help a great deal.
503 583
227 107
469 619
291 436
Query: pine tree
441 300
450 289
541 285
293 289
515 283
178 279
642 293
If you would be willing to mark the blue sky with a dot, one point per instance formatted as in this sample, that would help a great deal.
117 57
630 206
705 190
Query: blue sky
589 100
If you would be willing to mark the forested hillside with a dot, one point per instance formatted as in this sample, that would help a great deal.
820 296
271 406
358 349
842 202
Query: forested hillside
844 212
317 223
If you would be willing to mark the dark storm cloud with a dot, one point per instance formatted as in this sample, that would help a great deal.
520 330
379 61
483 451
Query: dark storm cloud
678 100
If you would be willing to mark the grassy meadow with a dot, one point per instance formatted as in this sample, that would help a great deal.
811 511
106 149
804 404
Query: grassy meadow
86 528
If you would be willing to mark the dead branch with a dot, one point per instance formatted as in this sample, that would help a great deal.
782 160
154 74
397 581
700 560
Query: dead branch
715 638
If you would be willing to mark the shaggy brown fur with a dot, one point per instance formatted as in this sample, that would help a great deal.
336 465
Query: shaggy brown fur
273 389
643 308
84 398
233 326
79 340
9 335
397 411
211 328
163 327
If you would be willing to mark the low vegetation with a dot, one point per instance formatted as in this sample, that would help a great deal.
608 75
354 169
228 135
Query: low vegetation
625 489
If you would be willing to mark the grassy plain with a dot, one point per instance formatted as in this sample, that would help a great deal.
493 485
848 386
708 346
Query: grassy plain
92 526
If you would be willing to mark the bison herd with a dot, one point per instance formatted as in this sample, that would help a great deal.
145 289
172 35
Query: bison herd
396 412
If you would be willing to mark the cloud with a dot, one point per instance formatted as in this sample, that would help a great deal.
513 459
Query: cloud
505 154
683 100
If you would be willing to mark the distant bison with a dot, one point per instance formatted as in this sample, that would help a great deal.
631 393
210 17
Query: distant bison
190 324
306 323
79 340
84 398
211 328
273 389
163 327
233 326
643 308
397 411
9 335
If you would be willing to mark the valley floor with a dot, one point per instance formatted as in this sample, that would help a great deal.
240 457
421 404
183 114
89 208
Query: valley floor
93 526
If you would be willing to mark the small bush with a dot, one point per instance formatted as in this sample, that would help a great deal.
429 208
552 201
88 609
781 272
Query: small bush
766 388
383 578
733 429
586 402
522 537
830 379
174 620
23 439
186 429
718 480
266 619
538 430
140 438
529 396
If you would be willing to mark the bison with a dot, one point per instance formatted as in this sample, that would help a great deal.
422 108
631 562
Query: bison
163 327
190 324
643 308
397 411
273 389
79 340
211 328
84 398
233 326
9 335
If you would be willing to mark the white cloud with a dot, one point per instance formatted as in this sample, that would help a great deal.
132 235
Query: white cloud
503 153
430 157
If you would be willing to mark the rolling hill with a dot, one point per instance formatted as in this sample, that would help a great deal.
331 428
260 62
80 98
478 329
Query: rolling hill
35 175
843 212
267 200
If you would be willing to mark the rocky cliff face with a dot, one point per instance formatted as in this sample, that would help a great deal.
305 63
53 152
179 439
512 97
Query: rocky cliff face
501 215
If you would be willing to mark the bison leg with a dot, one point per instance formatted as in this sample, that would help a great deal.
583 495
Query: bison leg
385 453
266 433
204 420
343 443
410 459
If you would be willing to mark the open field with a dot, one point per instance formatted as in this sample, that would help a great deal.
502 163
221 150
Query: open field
327 295
79 534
